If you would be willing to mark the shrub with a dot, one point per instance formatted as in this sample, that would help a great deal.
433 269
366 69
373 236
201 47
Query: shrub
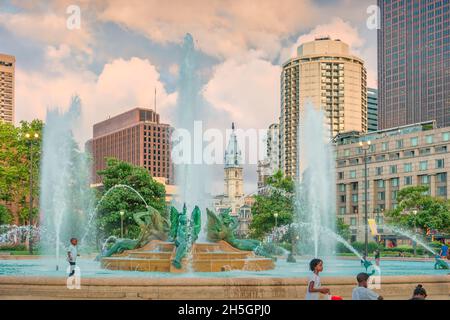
13 247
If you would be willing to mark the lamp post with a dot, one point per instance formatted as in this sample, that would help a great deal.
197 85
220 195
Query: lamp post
276 217
365 146
415 231
30 140
122 213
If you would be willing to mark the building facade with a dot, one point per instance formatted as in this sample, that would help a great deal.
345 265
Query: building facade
412 155
234 198
7 88
271 162
325 75
414 62
372 110
136 137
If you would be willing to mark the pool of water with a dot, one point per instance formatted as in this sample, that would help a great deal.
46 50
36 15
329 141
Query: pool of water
332 267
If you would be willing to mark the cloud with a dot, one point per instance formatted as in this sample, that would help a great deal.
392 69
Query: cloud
336 29
47 28
122 85
222 29
247 89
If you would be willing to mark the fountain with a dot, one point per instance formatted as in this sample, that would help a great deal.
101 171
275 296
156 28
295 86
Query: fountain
66 198
191 174
315 189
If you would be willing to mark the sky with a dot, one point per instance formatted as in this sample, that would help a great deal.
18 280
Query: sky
123 50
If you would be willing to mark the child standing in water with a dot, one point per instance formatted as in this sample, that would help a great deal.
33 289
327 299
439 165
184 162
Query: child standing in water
72 254
314 285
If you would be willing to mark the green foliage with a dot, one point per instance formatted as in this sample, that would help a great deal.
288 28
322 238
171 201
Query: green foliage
343 229
432 213
276 202
15 154
359 246
119 172
5 215
13 247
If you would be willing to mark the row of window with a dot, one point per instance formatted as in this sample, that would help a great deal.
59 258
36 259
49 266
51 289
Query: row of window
441 178
393 169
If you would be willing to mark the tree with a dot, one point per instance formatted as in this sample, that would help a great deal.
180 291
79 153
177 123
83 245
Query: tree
119 172
15 166
279 201
343 229
431 213
5 215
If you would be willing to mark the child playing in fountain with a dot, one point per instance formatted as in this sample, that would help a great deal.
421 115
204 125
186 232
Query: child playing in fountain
361 292
314 285
72 254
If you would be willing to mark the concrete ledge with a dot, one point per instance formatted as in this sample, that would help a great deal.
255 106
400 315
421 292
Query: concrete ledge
398 287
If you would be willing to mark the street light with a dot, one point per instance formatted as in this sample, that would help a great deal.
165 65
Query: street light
415 231
276 216
122 213
365 146
30 140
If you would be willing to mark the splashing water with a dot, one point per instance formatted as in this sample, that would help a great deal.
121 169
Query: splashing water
409 235
191 175
94 212
315 188
66 197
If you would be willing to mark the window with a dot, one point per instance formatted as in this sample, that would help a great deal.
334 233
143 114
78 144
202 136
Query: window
441 191
429 139
342 187
394 195
343 199
424 151
441 177
425 179
353 221
340 175
379 171
380 183
354 198
407 167
439 163
352 174
394 182
423 165
446 136
342 210
408 181
414 141
384 146
409 154
381 196
393 169
399 144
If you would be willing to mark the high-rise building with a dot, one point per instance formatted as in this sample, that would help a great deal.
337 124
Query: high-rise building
271 162
7 83
372 109
326 75
414 62
136 137
273 147
417 154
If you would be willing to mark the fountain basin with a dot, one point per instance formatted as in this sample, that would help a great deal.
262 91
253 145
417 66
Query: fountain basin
205 257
